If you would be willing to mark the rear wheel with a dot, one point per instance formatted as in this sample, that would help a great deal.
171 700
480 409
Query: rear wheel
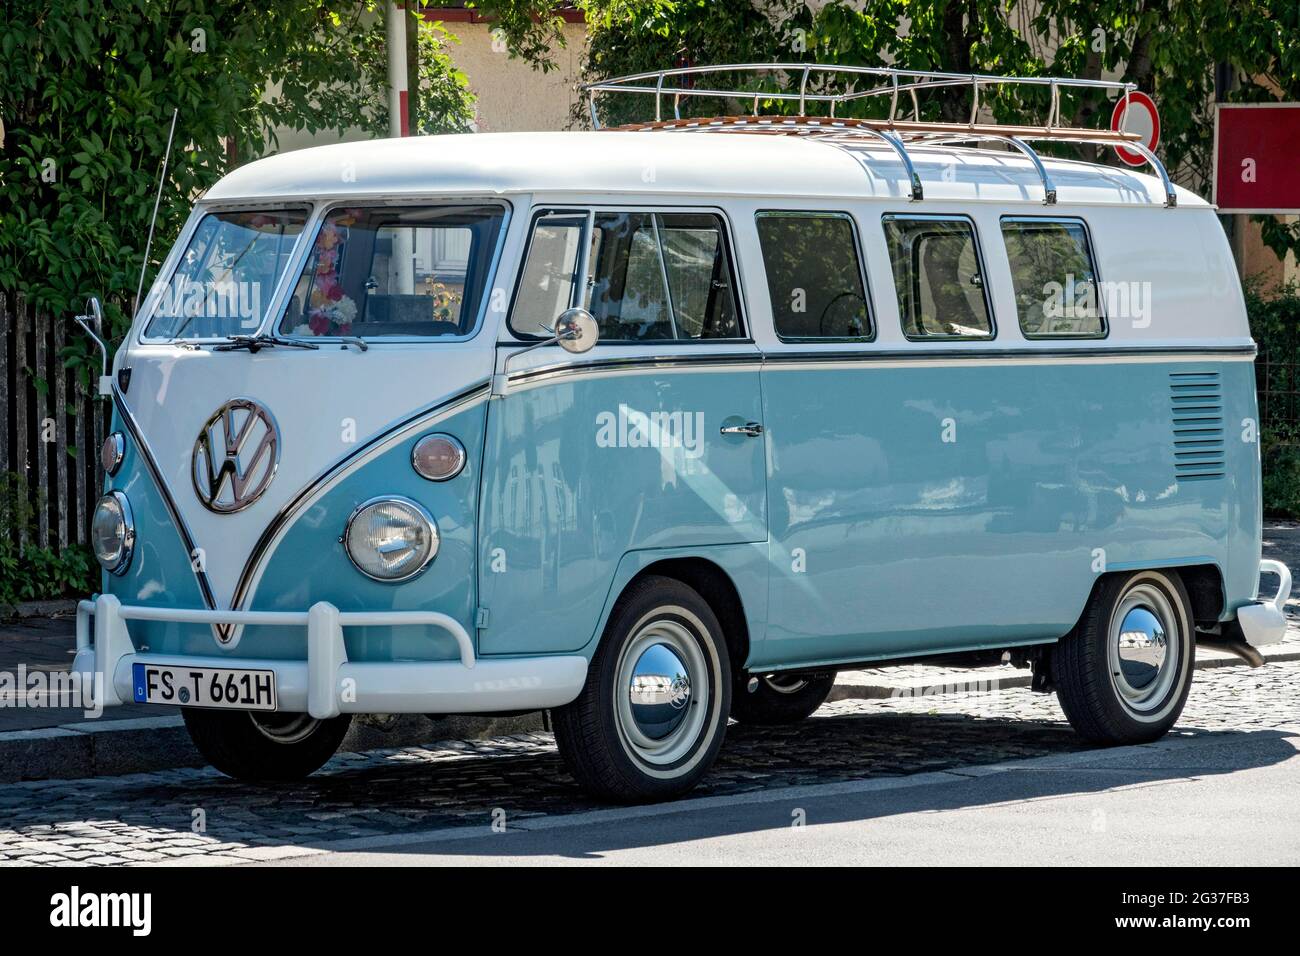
652 715
260 746
1123 674
779 698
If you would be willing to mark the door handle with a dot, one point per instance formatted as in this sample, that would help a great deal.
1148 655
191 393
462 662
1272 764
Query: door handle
752 429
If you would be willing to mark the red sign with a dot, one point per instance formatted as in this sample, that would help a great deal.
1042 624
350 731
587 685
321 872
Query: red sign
1140 117
1256 168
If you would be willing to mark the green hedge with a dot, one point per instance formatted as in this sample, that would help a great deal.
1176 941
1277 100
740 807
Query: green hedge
1275 325
29 572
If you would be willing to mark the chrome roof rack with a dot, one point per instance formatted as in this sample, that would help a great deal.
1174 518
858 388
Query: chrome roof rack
895 132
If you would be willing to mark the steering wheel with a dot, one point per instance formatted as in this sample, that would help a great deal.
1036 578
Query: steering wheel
856 330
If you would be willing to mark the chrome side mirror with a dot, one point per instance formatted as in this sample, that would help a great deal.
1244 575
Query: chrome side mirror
92 322
576 331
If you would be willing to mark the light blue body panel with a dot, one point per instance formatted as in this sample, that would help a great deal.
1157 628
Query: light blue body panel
886 540
309 565
921 509
160 573
573 485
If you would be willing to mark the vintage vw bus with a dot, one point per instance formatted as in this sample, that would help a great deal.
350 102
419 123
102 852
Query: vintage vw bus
658 427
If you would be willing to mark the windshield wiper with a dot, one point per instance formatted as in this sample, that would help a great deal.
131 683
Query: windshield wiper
255 343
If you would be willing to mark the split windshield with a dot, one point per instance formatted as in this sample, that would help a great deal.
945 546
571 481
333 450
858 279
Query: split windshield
408 271
226 276
403 271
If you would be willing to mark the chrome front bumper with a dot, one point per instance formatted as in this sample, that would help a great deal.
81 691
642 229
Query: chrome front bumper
327 684
1264 622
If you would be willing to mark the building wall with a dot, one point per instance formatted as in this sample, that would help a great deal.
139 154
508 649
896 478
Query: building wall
512 96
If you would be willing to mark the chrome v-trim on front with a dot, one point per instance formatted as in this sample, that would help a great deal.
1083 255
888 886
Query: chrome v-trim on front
146 453
261 548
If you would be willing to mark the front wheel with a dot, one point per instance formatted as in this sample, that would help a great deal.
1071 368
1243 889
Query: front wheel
651 717
1123 674
264 746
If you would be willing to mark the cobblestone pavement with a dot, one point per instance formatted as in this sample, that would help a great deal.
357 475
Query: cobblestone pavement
153 817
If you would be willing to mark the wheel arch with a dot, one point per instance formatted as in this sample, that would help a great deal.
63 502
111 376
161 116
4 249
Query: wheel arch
728 583
1203 581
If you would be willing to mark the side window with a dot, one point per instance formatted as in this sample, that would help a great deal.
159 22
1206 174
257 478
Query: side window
938 277
814 276
1054 278
546 284
650 276
701 288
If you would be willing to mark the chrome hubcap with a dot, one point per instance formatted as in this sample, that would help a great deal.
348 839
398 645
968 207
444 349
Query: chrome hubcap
1144 647
661 700
660 691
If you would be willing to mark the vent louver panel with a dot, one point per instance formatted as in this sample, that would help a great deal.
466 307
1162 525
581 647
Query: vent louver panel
1197 403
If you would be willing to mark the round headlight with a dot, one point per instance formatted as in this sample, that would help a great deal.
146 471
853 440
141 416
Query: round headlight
111 452
112 532
438 457
391 539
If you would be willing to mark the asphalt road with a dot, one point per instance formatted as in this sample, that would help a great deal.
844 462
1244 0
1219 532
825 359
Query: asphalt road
1227 799
959 778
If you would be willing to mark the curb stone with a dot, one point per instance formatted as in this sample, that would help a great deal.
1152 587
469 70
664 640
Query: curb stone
114 748
117 747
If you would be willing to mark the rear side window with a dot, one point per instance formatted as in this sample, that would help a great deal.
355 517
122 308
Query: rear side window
650 276
814 276
938 277
1054 278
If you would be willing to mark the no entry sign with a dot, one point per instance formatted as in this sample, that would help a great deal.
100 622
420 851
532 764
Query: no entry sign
1257 157
1136 114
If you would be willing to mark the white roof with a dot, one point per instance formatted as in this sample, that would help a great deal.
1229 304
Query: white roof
681 163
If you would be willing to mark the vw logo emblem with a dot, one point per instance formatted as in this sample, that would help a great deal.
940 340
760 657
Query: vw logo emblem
235 456
679 692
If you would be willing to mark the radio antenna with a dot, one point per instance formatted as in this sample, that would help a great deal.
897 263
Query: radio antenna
162 178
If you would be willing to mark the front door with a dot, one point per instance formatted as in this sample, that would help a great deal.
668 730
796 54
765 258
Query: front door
592 457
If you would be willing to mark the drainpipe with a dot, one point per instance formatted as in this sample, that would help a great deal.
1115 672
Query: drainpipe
396 23
402 260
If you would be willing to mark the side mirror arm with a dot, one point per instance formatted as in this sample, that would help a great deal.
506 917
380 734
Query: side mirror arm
92 323
575 331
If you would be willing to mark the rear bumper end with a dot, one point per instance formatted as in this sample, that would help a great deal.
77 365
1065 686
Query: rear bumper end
1264 622
327 684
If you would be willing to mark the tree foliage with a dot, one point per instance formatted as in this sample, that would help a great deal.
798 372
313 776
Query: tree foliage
1170 48
87 92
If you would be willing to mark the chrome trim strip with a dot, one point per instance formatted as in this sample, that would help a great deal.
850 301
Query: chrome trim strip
1011 353
559 369
865 356
177 521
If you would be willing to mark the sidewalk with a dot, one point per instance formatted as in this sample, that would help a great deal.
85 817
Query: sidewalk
44 742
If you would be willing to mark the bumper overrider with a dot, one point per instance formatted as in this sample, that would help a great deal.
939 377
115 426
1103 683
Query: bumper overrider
327 684
1264 622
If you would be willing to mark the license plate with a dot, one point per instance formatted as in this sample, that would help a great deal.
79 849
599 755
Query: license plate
203 687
